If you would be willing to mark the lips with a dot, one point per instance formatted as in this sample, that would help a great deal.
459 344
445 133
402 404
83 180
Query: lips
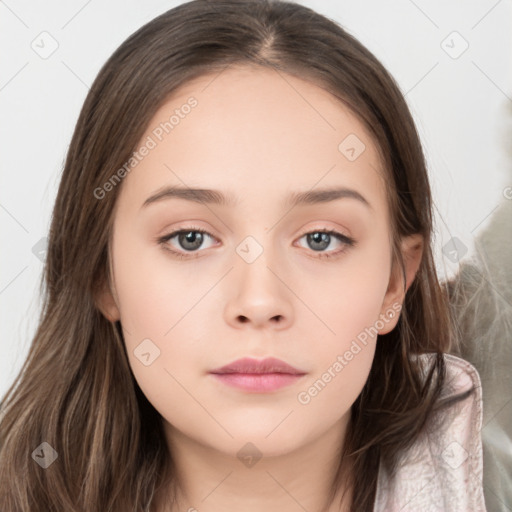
258 376
249 365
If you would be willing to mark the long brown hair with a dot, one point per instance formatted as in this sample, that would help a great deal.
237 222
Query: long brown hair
76 390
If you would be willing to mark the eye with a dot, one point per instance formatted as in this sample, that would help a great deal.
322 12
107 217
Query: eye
191 239
320 239
188 240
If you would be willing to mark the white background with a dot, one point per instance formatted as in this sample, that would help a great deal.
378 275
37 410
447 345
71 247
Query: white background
462 107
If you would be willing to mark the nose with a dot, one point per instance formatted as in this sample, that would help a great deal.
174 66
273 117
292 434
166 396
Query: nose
259 296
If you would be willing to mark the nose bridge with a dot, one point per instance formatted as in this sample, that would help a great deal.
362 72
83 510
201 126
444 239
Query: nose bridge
256 257
258 244
258 295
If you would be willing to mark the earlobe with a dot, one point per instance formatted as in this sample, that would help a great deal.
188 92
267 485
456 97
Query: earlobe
401 279
106 303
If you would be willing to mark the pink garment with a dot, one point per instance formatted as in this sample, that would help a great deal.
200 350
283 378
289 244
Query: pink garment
443 470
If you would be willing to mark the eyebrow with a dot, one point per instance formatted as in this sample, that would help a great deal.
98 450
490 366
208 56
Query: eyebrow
209 196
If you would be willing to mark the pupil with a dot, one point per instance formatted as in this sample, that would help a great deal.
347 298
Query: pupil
320 238
192 237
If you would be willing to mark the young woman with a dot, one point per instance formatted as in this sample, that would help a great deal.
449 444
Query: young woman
241 306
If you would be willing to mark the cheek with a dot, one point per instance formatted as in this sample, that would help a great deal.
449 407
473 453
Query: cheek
331 391
156 308
348 297
343 359
349 303
153 295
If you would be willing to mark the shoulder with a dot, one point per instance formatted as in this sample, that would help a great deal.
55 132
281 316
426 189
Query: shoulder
443 470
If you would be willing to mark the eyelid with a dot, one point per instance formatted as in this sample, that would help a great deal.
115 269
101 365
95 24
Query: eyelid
325 229
178 230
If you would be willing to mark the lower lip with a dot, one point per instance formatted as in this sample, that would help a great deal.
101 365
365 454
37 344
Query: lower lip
258 382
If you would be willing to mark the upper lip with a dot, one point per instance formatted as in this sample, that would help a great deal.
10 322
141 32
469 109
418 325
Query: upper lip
250 365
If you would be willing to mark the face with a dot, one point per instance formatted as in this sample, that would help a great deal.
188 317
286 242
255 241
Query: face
276 269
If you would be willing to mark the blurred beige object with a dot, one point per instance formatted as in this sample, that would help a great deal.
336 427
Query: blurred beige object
481 294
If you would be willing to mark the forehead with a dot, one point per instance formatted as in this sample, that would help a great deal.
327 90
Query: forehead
255 131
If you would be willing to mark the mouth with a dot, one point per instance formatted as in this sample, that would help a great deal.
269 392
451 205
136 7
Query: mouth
258 376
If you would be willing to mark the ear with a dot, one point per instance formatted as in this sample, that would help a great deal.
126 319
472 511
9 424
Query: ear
107 304
412 251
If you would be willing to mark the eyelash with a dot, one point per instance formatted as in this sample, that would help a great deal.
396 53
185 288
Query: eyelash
349 242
